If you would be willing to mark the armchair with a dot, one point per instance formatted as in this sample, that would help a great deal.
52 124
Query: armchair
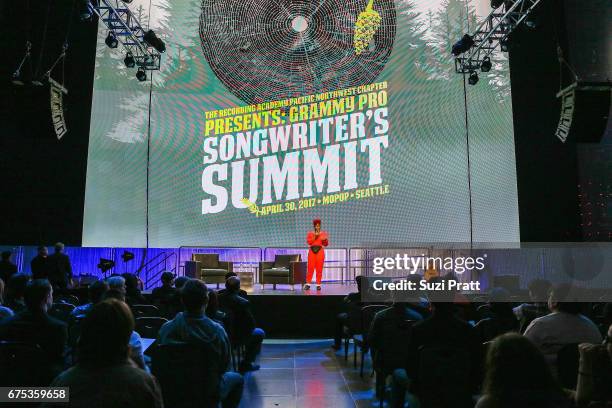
208 267
287 269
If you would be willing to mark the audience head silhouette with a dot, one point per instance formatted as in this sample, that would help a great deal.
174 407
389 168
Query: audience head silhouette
59 247
358 280
38 295
167 278
230 274
105 334
180 281
560 300
194 296
117 283
97 290
42 251
6 256
539 290
232 284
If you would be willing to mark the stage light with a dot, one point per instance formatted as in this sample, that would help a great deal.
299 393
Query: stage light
106 265
504 46
141 74
486 65
84 12
473 79
129 60
111 40
464 44
154 41
127 256
495 4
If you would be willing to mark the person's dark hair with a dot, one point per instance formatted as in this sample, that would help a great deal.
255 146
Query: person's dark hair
114 294
16 285
213 304
1 292
560 296
232 284
230 274
194 295
40 248
358 281
442 300
131 281
516 371
105 334
167 277
180 281
97 290
59 247
539 289
6 255
36 291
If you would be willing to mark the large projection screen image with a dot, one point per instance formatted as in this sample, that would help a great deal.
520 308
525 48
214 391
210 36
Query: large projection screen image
266 114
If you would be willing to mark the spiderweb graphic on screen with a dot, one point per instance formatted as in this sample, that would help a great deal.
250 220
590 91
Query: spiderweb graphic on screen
264 50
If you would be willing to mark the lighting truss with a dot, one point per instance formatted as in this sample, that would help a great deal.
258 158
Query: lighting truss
492 31
118 18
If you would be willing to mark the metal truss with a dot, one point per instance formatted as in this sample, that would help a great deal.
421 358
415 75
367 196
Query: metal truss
119 20
494 30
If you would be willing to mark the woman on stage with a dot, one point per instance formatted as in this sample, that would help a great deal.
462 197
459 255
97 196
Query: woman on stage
316 240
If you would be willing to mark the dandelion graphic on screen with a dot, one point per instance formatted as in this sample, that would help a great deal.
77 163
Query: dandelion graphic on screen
368 22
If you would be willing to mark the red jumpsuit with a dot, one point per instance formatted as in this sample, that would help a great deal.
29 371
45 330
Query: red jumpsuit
315 261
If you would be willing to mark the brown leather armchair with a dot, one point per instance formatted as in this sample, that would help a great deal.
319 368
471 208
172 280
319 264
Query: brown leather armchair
286 269
208 267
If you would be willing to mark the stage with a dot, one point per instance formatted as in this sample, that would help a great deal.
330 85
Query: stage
284 313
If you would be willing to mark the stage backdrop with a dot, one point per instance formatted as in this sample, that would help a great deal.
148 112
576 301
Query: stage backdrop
269 113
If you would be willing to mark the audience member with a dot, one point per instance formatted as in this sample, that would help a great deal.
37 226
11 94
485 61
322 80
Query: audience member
35 326
40 264
4 311
194 327
222 291
212 310
242 324
502 319
133 295
595 373
516 375
351 301
7 268
60 269
179 282
441 329
166 293
116 290
104 375
96 293
15 290
565 325
539 290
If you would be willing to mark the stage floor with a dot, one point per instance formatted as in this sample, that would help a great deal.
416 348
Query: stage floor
329 289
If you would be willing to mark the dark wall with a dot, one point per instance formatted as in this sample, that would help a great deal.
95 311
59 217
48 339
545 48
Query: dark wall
43 179
547 174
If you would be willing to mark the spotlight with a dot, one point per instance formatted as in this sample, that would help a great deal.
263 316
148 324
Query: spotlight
473 79
127 256
141 74
464 44
495 4
504 46
129 60
485 66
106 265
111 40
154 41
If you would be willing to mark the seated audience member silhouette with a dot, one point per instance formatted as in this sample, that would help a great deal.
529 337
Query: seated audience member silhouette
222 291
116 290
35 326
441 329
104 375
517 375
213 311
501 321
595 374
7 268
564 325
242 323
15 290
60 269
165 293
193 327
4 311
351 301
133 296
96 293
539 290
40 264
179 282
